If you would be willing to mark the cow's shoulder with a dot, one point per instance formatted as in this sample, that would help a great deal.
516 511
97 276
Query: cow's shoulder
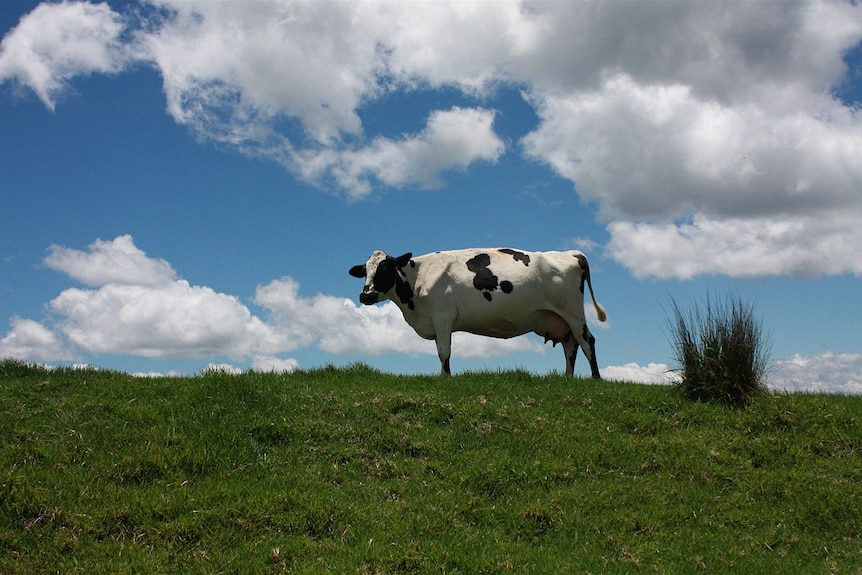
431 273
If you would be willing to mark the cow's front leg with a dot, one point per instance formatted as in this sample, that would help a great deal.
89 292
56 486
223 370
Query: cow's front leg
570 349
444 350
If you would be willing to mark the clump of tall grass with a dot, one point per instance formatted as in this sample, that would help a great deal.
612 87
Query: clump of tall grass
722 351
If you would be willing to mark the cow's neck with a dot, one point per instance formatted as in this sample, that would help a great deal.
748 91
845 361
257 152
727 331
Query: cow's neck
404 290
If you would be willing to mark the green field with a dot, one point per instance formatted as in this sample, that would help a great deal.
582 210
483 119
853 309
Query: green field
356 471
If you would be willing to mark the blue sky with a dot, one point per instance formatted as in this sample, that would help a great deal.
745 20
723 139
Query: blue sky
185 184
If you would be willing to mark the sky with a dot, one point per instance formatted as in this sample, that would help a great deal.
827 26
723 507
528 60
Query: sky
185 184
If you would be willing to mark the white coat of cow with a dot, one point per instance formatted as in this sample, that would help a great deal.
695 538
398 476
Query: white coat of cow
496 292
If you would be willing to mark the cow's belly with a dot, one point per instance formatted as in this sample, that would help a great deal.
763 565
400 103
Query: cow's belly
545 323
492 327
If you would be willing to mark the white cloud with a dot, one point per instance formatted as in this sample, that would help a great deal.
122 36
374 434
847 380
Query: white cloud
839 373
106 262
678 120
804 246
271 364
260 62
825 373
721 50
658 151
56 42
140 308
452 139
471 45
30 340
758 182
137 307
658 373
709 137
472 346
232 72
171 320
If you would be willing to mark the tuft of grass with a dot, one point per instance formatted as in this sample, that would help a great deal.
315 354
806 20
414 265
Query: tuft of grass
722 351
352 470
11 368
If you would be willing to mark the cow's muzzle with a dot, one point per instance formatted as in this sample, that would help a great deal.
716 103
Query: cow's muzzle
368 297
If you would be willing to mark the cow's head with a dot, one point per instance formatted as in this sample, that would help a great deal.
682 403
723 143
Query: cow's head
382 274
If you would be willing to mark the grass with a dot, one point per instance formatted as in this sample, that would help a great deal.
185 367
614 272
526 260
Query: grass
722 351
355 471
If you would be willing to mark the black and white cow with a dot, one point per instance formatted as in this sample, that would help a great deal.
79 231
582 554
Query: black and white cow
496 292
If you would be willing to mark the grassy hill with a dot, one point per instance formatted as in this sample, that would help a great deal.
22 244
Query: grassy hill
356 471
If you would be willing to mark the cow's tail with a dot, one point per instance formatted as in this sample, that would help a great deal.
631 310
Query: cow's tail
600 311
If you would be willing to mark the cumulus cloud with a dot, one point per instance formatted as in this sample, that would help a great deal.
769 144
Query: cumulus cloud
655 373
107 262
756 180
803 246
337 325
231 73
721 50
452 139
137 306
171 320
56 42
314 62
839 373
237 74
710 136
686 124
271 364
825 373
32 341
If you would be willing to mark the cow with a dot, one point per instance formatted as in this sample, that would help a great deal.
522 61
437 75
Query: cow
498 292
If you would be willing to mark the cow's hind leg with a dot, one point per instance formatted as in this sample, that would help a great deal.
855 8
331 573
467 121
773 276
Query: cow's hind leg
588 343
585 340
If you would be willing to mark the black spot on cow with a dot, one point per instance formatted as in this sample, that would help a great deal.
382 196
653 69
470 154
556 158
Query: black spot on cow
518 256
404 291
485 280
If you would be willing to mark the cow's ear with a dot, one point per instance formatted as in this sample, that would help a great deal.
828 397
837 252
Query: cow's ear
402 261
358 271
